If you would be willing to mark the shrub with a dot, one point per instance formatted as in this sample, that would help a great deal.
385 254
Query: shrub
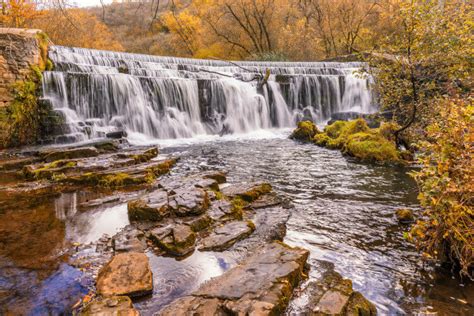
446 184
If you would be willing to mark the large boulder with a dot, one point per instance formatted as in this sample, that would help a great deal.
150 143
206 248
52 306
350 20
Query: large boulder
126 274
261 285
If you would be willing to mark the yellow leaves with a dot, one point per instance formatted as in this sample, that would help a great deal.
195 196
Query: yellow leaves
18 13
77 28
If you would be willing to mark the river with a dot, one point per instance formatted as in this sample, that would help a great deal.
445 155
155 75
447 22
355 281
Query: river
344 214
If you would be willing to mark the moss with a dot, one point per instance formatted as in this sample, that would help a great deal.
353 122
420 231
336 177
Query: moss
238 206
251 225
335 129
219 195
371 147
256 192
405 216
145 156
321 139
119 180
158 170
305 131
43 43
48 171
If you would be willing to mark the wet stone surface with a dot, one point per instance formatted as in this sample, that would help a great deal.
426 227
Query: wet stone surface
260 285
225 236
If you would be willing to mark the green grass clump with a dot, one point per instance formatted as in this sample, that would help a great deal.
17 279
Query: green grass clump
356 139
372 147
305 131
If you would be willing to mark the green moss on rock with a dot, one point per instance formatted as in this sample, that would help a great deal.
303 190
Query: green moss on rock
305 131
371 147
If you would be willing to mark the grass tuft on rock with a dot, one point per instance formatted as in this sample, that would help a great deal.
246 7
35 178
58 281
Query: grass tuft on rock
305 131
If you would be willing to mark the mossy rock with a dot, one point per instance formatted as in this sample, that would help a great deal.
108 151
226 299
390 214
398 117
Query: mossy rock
371 147
405 216
305 131
48 171
335 129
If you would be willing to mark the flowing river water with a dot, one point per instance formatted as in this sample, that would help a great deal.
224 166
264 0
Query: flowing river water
344 214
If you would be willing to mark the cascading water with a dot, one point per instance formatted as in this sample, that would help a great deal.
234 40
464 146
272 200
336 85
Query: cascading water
165 97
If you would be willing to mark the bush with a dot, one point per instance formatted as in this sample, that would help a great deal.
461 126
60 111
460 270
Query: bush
446 186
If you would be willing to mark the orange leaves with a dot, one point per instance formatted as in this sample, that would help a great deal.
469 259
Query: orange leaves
76 27
18 13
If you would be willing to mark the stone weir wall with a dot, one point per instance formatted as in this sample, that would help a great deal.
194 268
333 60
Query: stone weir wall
19 50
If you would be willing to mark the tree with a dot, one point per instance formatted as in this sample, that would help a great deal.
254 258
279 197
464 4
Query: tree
425 78
76 27
18 13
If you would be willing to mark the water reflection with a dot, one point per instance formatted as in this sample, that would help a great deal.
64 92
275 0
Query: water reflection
173 279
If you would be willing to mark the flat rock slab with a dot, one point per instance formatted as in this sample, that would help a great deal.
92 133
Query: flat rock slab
126 274
248 192
260 285
113 306
225 236
72 153
266 200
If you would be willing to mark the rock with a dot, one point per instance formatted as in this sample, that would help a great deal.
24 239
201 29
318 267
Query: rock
248 192
225 236
126 274
261 285
71 153
219 176
199 223
113 306
152 207
333 295
177 240
221 209
305 131
197 181
49 170
17 163
106 146
129 240
189 201
100 201
267 200
140 156
405 216
117 134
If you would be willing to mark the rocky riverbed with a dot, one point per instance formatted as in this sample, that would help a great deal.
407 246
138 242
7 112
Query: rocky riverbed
169 215
107 227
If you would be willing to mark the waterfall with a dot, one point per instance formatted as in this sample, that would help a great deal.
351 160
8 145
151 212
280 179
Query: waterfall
166 97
